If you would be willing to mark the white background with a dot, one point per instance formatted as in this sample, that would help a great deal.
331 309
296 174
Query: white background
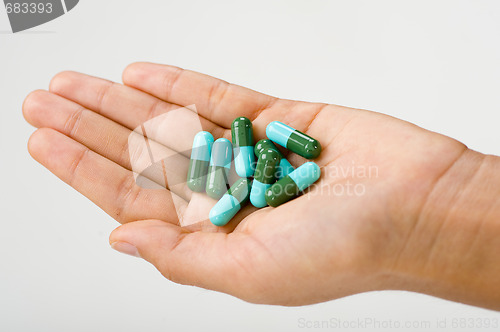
434 63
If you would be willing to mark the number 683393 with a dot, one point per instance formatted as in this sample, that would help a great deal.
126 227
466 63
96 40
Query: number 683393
28 8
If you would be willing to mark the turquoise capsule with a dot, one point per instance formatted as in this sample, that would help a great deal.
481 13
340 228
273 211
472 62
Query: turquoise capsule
284 167
291 185
232 201
293 140
200 160
242 135
265 176
218 171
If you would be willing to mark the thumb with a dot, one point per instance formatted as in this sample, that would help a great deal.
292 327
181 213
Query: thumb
207 260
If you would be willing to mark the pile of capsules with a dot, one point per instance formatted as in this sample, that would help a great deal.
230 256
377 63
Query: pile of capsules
275 181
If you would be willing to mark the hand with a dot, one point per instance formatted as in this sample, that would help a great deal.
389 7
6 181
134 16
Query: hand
350 233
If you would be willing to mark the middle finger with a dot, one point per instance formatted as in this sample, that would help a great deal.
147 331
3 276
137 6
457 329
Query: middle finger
129 149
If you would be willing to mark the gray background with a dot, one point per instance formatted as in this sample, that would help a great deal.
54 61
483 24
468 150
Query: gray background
434 63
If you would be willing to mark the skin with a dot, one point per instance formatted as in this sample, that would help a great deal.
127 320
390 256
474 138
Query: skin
426 221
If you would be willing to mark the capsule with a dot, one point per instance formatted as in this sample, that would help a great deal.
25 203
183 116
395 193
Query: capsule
244 158
291 185
218 171
293 140
284 167
200 160
265 176
232 201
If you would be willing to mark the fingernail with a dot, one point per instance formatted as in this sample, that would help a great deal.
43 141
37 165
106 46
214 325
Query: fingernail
125 248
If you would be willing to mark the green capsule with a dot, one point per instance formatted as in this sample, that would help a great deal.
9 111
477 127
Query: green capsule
218 171
293 140
227 207
199 162
284 167
265 176
241 190
293 184
242 135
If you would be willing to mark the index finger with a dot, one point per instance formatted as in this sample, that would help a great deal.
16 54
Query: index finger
215 99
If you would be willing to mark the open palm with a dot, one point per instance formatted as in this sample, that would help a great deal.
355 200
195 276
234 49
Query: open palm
346 235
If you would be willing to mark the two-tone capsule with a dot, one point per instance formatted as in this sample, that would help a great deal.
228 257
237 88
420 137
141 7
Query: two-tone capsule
264 177
284 167
218 171
232 201
293 140
242 135
291 185
199 162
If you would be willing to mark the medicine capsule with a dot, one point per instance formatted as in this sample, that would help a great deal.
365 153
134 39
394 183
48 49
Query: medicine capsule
291 185
200 160
227 207
265 176
293 140
244 158
284 167
218 171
